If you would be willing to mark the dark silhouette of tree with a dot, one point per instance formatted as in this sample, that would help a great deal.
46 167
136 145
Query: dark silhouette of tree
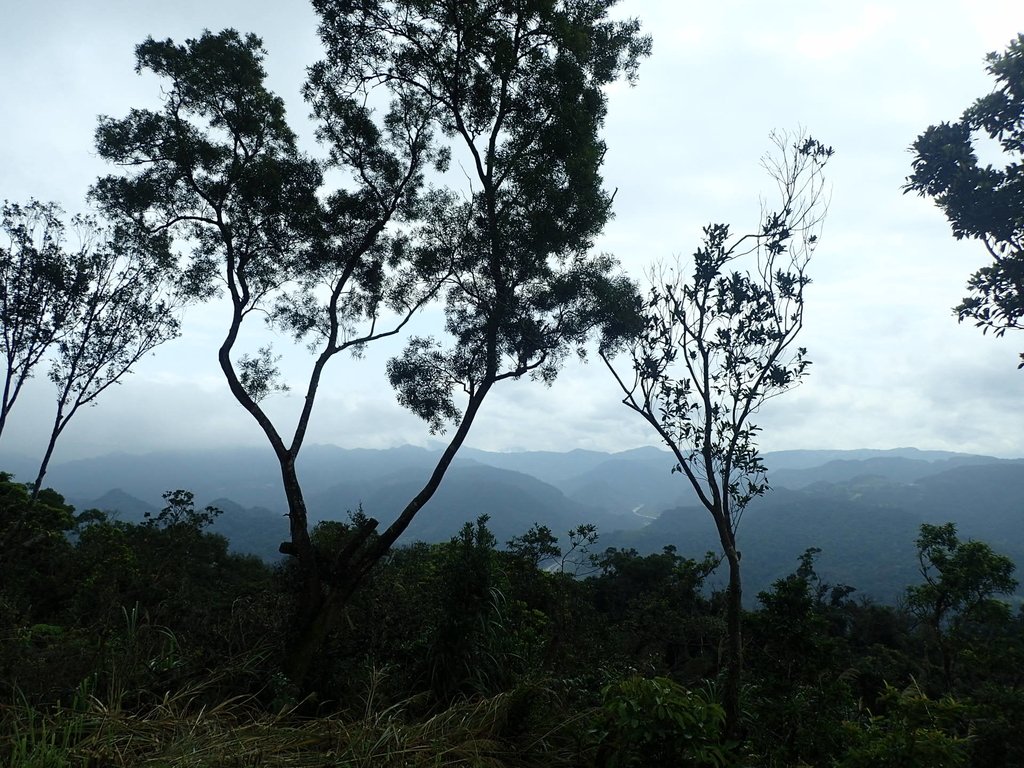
720 342
34 547
982 202
96 307
122 311
961 579
537 547
218 167
39 282
518 89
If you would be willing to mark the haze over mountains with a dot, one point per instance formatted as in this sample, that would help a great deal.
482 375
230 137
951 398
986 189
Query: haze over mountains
863 508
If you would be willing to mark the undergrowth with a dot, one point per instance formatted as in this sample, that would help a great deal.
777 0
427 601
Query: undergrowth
181 731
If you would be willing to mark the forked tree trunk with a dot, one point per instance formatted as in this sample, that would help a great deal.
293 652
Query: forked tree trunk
314 613
330 586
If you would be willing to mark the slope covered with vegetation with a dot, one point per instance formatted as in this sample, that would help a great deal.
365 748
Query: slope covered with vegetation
150 644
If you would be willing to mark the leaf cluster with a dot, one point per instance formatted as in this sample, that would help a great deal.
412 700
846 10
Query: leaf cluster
981 201
219 168
517 90
961 578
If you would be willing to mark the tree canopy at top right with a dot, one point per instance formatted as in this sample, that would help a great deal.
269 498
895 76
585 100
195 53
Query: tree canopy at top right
980 201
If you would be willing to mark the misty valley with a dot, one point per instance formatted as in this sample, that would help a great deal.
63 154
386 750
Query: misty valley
863 508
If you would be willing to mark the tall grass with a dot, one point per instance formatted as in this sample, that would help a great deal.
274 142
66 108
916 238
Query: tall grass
118 718
183 731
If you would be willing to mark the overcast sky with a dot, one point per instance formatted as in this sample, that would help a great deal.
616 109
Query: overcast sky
891 366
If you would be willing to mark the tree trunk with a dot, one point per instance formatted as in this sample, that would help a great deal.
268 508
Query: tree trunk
344 575
734 646
327 592
45 463
310 620
300 544
733 622
313 630
8 402
946 652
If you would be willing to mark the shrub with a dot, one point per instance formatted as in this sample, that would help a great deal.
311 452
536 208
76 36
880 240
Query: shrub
656 722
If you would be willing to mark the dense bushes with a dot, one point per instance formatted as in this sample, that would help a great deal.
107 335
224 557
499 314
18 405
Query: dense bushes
465 653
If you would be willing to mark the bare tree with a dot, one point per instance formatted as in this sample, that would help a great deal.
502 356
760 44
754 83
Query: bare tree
719 342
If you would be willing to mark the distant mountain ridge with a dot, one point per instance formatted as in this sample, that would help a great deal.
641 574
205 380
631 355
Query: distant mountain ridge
250 475
863 508
897 468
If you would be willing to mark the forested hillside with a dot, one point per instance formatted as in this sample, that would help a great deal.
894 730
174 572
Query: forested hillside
148 640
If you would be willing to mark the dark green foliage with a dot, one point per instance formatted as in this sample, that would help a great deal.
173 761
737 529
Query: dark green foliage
657 610
658 723
233 161
961 579
909 730
75 589
801 668
518 89
800 620
35 553
537 547
983 202
483 640
153 642
995 712
956 604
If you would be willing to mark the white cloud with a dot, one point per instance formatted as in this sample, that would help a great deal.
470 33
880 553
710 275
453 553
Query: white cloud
844 37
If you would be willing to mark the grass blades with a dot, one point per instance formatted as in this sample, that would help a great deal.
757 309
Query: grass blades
181 732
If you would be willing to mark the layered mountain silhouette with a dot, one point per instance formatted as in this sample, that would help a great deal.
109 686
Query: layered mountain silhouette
862 508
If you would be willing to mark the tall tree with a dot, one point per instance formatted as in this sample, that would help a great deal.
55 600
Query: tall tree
39 284
720 342
517 87
122 311
95 307
982 202
220 165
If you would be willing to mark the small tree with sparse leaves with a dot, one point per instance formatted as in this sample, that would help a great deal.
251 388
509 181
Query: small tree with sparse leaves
717 344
